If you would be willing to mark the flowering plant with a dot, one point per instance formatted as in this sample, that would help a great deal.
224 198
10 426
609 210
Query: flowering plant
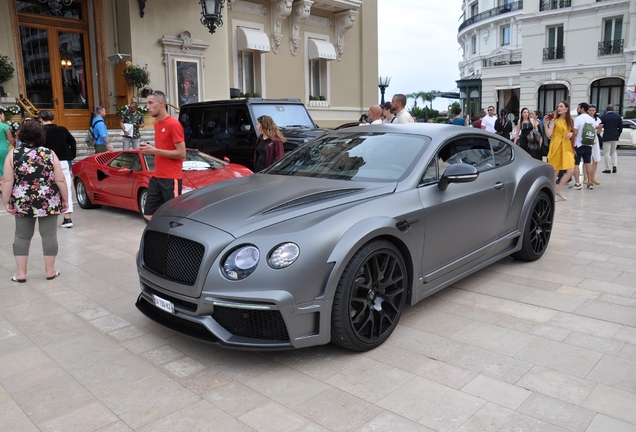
6 69
14 125
124 108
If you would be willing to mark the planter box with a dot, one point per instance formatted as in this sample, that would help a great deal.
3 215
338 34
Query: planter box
319 104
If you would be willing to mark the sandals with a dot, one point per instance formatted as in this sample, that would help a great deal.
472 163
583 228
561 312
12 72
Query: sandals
14 278
57 273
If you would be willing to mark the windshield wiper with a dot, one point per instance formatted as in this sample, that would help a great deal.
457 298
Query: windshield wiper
297 126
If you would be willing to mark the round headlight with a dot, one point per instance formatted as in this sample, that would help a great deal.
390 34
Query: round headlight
241 262
283 255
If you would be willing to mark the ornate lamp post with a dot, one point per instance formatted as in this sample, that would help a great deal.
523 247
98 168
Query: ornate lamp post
383 83
211 14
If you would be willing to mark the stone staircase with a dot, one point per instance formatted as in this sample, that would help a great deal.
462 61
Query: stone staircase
114 136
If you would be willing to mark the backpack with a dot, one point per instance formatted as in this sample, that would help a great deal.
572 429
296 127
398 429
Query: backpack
589 134
91 139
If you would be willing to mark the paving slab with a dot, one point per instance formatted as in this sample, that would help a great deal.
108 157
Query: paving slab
542 346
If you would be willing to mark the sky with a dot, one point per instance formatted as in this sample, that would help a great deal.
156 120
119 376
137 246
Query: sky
418 46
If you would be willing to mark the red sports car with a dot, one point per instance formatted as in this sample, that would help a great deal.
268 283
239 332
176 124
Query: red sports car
120 179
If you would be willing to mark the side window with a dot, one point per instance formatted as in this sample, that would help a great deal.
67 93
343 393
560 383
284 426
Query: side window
474 151
190 122
150 162
136 165
501 150
238 122
430 175
439 163
212 122
124 160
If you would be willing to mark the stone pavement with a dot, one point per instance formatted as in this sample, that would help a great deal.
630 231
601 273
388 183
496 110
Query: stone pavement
544 346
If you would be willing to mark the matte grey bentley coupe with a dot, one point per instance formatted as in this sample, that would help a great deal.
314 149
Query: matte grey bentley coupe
332 241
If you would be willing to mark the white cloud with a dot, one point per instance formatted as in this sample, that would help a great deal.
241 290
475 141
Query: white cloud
418 45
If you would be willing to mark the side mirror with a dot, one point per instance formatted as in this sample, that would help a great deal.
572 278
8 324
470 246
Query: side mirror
458 173
123 171
246 128
226 159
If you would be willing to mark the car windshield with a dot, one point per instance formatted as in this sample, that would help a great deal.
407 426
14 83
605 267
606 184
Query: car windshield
193 161
354 156
284 115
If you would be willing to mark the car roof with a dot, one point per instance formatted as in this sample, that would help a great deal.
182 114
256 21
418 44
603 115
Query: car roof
242 101
437 131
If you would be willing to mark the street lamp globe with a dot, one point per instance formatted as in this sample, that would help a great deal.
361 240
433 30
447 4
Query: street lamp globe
211 14
383 83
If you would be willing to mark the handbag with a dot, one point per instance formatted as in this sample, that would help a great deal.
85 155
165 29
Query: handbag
534 140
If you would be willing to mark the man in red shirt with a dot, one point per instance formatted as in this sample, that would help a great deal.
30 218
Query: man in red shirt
169 151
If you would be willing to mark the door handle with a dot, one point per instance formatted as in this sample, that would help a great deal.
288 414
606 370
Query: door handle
499 185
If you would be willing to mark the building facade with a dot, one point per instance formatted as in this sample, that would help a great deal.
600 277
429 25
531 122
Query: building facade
534 53
69 53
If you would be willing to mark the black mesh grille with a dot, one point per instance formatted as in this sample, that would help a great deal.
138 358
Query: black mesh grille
256 324
189 306
172 257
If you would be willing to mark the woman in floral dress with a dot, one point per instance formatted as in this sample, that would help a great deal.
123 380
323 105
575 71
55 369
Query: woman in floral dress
33 190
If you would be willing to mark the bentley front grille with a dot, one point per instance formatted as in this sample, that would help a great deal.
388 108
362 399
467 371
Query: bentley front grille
175 258
255 324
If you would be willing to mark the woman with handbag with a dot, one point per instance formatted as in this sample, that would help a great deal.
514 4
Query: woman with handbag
525 136
503 125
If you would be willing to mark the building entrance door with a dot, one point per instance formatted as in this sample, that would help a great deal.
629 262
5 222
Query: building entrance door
55 53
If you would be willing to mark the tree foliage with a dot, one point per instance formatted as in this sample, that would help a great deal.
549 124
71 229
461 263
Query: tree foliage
6 69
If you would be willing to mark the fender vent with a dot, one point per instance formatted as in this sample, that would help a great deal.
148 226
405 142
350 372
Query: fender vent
312 198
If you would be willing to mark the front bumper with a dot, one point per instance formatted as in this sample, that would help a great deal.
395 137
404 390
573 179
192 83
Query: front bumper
247 321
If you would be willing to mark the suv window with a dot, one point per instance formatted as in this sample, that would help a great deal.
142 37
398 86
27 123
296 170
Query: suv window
212 122
284 115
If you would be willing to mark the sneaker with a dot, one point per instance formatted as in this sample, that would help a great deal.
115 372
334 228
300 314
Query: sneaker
577 186
67 223
590 186
614 169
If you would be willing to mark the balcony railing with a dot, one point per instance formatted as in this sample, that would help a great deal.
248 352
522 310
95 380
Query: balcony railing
610 47
545 5
499 62
503 9
553 53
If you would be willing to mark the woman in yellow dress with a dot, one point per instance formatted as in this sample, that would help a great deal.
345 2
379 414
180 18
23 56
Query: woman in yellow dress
561 154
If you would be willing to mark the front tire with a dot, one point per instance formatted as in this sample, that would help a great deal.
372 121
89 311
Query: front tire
82 195
536 234
370 297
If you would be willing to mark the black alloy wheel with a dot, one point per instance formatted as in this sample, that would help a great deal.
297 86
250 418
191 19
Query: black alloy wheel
536 236
370 297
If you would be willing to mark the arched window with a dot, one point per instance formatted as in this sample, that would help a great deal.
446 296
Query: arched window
550 95
608 91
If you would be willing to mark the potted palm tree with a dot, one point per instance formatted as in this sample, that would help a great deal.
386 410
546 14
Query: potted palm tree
136 77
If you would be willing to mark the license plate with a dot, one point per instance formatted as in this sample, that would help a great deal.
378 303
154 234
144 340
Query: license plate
164 304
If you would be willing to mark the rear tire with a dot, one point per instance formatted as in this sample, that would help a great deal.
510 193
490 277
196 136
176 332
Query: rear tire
82 195
536 234
370 297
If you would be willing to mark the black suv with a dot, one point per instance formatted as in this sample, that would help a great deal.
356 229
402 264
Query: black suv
227 128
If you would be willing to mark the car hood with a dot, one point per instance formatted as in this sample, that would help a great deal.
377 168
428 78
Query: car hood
200 178
301 135
244 205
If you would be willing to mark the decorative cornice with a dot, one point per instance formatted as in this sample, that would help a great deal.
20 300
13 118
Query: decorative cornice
318 21
247 7
344 21
301 11
183 45
280 10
